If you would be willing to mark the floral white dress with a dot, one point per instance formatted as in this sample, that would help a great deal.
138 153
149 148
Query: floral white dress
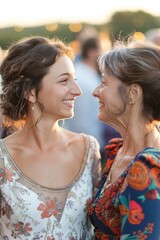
29 211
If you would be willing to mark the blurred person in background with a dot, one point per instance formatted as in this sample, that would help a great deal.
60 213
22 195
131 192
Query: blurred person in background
127 204
153 35
86 107
47 173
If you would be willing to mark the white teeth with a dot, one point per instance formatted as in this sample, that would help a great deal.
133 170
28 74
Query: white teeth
68 101
101 104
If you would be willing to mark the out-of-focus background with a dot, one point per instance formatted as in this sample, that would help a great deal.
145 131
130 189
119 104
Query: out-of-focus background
90 27
67 19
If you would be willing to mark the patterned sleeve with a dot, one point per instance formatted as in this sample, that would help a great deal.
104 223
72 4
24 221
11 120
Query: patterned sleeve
140 199
96 167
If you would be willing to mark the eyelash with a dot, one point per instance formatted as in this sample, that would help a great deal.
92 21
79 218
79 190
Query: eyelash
103 83
65 80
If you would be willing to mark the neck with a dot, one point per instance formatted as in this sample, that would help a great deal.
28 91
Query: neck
135 141
40 135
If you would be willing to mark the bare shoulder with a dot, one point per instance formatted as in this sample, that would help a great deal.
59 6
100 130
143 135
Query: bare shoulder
75 140
11 139
14 143
79 142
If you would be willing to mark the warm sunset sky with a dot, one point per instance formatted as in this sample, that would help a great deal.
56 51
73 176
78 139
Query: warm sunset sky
39 12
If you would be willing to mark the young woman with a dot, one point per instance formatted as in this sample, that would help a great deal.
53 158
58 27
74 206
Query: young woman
47 174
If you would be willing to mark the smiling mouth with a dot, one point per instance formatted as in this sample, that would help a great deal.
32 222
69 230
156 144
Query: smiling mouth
69 103
101 104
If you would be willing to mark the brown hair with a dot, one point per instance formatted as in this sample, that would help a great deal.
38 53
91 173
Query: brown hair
137 63
23 69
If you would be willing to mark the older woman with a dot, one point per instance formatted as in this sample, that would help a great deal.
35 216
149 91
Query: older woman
127 205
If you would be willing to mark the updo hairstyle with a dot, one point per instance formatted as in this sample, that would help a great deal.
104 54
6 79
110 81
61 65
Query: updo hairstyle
23 69
137 63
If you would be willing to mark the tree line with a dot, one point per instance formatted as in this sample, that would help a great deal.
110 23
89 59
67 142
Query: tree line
121 23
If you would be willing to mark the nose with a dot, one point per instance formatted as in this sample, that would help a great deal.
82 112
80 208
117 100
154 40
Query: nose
76 90
96 92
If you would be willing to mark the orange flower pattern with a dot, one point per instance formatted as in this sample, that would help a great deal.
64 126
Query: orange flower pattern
155 172
129 208
21 229
8 174
135 213
48 210
138 176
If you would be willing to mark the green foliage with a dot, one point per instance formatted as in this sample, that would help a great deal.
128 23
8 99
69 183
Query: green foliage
122 23
126 23
9 36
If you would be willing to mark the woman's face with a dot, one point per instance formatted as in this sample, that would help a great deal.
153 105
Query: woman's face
59 90
111 95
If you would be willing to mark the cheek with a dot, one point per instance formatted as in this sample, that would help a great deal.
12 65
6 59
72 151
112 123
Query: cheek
111 96
63 91
54 92
114 104
45 91
103 94
106 97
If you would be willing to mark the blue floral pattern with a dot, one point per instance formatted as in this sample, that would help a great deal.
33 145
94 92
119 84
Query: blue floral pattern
130 208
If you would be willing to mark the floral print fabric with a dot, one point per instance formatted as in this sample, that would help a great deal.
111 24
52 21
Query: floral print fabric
130 208
29 211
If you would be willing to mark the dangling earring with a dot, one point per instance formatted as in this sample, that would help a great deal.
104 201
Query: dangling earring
33 108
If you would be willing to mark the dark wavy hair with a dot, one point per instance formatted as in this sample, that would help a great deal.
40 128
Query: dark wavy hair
24 67
137 63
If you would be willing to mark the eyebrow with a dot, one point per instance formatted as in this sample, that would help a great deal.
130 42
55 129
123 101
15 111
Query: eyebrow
63 74
68 74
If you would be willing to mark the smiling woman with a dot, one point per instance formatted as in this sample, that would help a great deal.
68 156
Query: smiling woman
127 204
47 174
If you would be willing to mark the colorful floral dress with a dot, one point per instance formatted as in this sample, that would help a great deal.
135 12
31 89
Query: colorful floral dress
29 211
130 207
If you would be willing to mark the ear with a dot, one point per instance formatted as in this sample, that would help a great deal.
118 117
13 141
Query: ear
31 97
135 93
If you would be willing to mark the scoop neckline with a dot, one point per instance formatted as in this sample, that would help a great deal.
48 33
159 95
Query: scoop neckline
33 182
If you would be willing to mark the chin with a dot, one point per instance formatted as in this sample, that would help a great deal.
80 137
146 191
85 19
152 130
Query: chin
68 114
68 117
101 117
71 115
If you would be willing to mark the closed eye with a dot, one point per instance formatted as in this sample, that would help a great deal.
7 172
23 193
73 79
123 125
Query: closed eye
103 83
64 80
